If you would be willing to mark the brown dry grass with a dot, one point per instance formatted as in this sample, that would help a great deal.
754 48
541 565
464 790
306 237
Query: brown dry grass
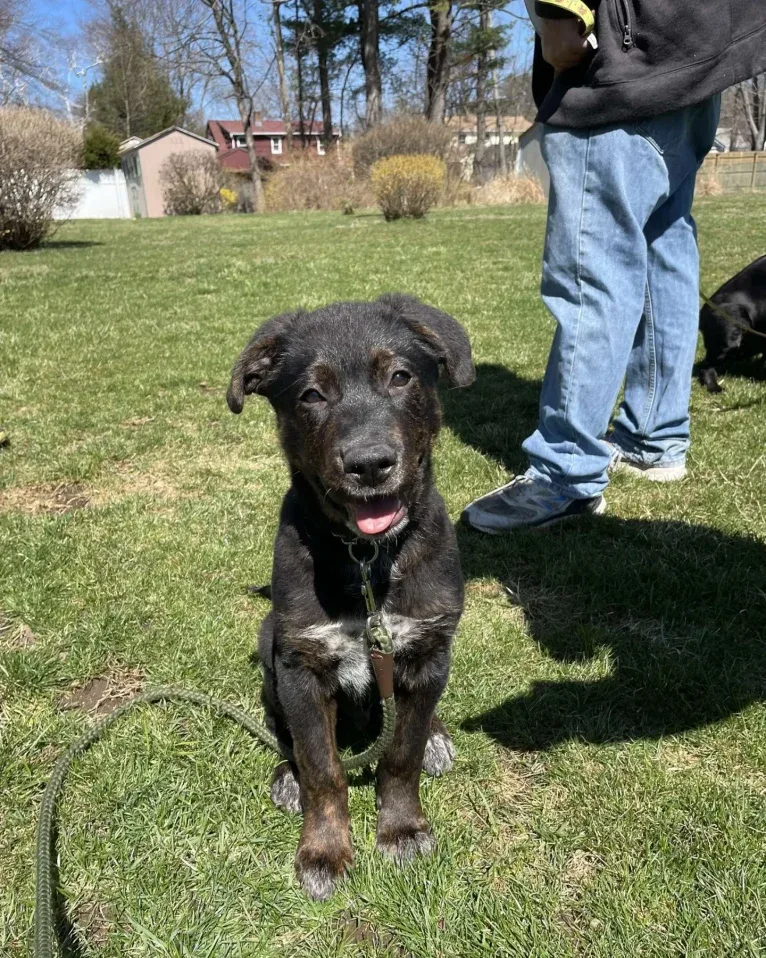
48 499
15 635
318 183
708 184
509 191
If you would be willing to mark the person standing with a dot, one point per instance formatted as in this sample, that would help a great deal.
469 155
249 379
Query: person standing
628 116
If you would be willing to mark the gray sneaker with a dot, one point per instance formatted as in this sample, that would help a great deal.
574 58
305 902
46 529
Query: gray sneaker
526 503
655 472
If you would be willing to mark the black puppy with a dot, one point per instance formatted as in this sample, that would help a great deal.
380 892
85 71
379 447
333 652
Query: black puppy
354 387
744 299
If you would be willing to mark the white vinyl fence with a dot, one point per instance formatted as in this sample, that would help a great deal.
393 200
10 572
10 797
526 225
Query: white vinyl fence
103 195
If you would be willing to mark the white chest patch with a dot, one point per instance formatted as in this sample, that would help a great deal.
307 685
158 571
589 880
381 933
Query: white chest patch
346 641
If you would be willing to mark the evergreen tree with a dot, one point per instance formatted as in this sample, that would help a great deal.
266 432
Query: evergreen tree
100 148
134 96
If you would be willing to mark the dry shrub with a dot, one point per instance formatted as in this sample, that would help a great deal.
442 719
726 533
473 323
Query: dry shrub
39 156
508 190
708 184
408 185
405 136
317 183
457 192
191 183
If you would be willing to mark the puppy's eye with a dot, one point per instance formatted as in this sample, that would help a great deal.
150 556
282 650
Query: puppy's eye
400 378
312 396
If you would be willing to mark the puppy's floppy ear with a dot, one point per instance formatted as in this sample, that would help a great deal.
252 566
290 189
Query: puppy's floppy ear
440 334
257 365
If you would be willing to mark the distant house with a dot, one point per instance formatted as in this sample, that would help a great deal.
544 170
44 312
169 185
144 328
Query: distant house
142 162
465 129
268 137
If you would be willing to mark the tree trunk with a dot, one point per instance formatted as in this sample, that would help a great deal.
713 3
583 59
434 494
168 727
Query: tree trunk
499 115
284 99
230 38
246 115
759 89
437 67
500 127
481 92
324 76
299 71
750 117
370 52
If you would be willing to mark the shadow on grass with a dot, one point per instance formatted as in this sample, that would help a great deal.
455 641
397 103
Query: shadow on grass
70 244
679 609
753 368
495 415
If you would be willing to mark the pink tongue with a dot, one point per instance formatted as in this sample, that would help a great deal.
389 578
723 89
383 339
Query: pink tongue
376 516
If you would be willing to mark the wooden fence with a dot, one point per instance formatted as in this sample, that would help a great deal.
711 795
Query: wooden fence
737 171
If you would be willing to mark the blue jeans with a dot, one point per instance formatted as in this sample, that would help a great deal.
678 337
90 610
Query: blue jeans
621 278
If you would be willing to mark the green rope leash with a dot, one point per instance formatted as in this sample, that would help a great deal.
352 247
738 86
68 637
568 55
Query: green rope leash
381 654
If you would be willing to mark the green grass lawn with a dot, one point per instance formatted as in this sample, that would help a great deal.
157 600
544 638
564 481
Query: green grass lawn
607 694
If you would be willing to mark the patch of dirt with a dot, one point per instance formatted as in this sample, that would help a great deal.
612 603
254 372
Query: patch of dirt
580 870
138 421
578 873
54 500
15 635
362 932
208 390
513 785
94 921
102 695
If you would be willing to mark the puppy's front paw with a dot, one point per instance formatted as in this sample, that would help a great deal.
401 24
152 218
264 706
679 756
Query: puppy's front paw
319 872
439 754
404 843
285 790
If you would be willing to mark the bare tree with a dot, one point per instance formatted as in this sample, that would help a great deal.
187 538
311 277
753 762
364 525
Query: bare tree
482 70
438 65
24 62
369 42
753 99
222 46
322 45
284 98
174 45
499 116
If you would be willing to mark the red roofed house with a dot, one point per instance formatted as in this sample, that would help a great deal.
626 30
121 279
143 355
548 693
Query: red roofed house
269 137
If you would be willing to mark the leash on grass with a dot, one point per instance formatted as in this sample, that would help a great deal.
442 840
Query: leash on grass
381 648
730 319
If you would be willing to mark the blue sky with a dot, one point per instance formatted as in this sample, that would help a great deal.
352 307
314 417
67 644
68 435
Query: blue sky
61 13
67 16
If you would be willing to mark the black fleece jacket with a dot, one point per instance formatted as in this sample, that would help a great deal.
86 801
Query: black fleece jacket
652 56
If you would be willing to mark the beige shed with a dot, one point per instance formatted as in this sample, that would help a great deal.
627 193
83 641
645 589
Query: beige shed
142 162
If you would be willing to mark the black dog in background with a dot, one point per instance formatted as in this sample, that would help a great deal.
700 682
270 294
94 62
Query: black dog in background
743 298
354 387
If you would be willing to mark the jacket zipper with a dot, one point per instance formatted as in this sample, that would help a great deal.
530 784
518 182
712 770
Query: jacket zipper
626 23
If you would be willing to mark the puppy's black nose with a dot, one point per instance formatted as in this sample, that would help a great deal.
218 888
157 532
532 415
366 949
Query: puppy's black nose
371 465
